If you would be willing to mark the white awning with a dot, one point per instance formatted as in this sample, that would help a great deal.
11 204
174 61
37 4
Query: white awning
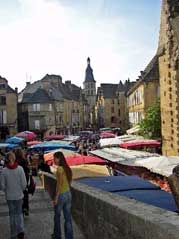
133 130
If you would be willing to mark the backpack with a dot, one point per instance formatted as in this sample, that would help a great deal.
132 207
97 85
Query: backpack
31 185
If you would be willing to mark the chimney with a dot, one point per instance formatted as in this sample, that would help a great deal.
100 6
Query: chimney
27 83
16 90
68 83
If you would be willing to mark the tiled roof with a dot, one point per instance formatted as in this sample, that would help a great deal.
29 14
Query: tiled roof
10 90
150 73
64 91
108 90
39 96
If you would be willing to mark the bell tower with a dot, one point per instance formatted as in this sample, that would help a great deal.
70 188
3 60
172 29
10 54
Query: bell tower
89 85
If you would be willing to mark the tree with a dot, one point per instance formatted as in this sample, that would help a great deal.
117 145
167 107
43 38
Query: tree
150 126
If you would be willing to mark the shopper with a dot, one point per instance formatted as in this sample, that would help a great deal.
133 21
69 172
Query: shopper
13 182
62 200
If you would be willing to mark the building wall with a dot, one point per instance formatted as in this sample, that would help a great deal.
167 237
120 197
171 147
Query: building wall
44 114
136 105
9 109
90 93
144 96
104 215
112 112
123 116
151 94
169 76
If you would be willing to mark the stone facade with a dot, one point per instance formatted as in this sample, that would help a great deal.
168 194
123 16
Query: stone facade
111 107
144 93
8 109
51 106
168 52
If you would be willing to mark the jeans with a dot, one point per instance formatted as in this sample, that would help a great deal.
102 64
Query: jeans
64 203
16 217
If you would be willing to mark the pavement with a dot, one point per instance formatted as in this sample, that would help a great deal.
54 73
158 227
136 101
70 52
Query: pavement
39 223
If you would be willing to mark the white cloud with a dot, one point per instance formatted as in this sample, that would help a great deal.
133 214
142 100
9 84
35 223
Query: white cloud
51 38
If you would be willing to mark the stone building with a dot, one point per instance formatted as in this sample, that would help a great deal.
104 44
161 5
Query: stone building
144 93
168 52
8 109
111 108
51 106
89 89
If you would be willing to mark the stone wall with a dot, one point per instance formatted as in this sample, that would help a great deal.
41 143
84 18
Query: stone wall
169 76
102 215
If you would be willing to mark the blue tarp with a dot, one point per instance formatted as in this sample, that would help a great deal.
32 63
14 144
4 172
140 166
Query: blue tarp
158 198
52 146
15 140
135 188
119 183
8 146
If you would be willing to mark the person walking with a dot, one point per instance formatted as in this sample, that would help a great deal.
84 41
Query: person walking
62 200
13 182
23 162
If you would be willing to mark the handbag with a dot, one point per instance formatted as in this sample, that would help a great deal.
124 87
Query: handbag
31 185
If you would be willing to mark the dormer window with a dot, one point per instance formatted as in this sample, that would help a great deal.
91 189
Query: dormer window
2 86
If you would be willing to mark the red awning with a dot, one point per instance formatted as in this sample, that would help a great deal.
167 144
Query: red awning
132 145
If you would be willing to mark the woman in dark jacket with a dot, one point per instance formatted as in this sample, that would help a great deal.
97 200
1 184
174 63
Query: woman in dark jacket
22 161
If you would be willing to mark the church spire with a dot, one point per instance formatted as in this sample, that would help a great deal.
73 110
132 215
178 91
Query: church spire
89 72
88 61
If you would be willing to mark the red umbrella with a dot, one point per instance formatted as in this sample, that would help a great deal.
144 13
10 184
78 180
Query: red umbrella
27 135
54 137
105 135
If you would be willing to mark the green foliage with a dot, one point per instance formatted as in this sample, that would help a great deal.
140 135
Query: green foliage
150 127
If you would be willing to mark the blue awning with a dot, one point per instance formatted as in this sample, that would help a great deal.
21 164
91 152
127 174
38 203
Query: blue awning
136 188
52 146
15 140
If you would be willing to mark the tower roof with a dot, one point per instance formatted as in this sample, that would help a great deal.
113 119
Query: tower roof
89 72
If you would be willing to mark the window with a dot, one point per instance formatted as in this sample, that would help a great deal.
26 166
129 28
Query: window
113 119
2 100
112 109
36 107
119 112
61 119
113 101
3 117
37 124
61 107
50 107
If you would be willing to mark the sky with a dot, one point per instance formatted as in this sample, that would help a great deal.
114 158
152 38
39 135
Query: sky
39 37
